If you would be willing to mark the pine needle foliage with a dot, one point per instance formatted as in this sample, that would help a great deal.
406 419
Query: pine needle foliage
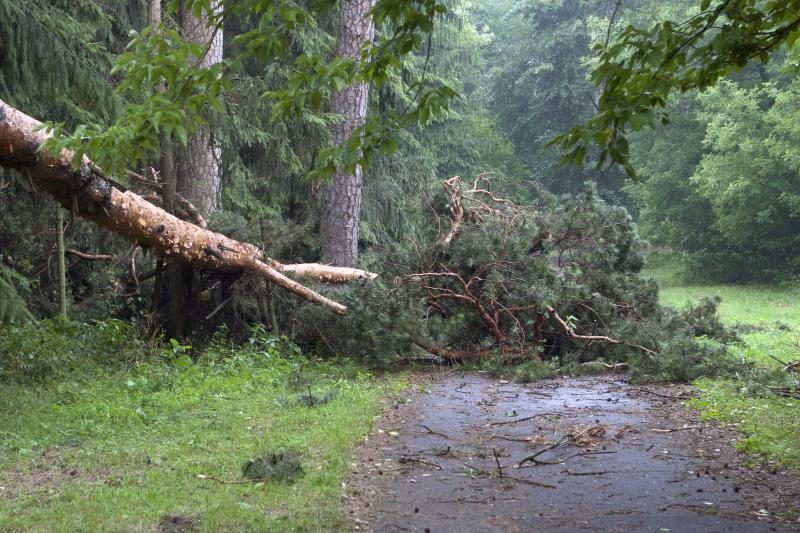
55 56
12 304
555 281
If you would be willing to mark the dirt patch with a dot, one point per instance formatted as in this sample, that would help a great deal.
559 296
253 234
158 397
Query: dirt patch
48 473
467 453
176 524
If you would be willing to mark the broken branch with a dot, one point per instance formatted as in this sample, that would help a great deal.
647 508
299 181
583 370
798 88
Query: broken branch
88 257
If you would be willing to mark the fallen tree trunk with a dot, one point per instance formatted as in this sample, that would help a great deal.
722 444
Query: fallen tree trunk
88 195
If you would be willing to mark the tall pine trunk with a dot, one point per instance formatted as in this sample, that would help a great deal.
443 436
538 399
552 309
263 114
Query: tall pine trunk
196 171
199 171
341 210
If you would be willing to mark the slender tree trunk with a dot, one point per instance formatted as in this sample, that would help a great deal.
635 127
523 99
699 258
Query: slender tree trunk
341 211
194 172
62 269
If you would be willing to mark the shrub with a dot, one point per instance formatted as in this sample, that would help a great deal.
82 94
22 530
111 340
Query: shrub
38 351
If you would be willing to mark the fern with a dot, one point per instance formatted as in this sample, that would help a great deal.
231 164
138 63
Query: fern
12 306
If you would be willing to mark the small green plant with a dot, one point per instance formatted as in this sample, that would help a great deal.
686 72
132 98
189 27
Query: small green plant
283 466
313 398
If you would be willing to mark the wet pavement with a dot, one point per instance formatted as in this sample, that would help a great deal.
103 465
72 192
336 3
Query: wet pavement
472 453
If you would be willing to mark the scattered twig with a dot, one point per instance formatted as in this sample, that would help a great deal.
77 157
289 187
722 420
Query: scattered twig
673 429
664 395
565 459
404 460
506 422
528 440
432 432
486 473
497 461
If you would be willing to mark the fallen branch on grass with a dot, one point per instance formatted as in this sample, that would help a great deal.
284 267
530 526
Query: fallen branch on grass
227 482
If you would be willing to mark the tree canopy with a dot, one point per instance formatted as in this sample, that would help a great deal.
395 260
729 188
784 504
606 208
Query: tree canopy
640 68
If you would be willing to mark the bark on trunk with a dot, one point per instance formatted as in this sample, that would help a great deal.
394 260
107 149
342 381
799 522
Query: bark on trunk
199 169
342 201
135 219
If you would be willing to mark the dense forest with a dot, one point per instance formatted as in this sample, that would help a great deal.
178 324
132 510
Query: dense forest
261 136
504 184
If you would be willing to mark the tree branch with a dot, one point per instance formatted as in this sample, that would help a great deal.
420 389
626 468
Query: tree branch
89 257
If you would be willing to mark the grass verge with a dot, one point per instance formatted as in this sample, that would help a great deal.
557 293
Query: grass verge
160 445
768 319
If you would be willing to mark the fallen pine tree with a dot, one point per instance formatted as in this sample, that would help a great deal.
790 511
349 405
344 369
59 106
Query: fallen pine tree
555 280
88 193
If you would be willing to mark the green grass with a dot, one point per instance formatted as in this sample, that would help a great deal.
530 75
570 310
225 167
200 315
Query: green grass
762 305
771 424
118 450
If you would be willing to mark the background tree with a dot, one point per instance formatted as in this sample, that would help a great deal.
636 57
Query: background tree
341 213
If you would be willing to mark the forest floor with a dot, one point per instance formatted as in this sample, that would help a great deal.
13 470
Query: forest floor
160 447
603 455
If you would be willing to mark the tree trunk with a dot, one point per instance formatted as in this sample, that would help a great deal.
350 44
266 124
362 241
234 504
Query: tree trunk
62 269
341 211
132 217
199 168
195 172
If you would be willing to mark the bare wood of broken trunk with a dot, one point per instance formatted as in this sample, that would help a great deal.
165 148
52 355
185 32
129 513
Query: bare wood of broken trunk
137 220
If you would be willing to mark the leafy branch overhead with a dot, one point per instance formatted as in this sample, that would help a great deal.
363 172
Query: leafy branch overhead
642 67
167 93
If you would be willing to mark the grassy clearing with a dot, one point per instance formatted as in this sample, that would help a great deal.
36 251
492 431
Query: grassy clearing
127 449
768 318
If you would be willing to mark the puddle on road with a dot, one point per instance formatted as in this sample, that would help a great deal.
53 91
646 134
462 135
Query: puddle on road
451 466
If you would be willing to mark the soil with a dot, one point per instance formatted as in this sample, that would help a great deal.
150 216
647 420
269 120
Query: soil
176 524
464 452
